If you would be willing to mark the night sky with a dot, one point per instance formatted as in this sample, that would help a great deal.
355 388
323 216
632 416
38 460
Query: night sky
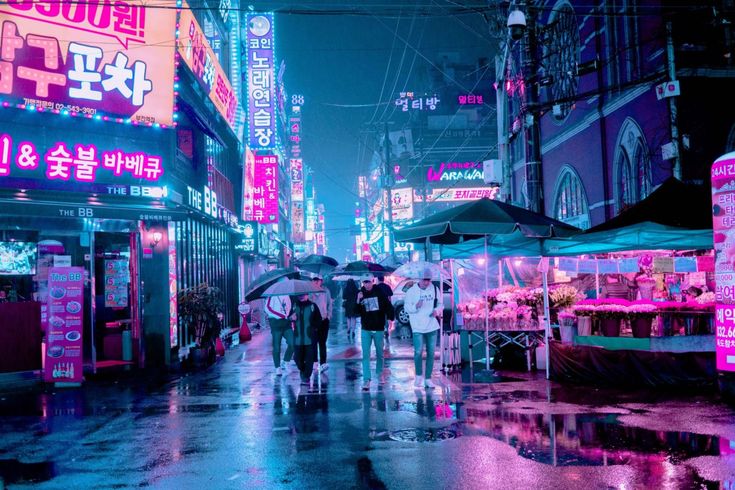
338 61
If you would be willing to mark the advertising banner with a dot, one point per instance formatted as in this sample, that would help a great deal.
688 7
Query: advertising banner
265 189
723 227
52 158
248 184
198 55
457 194
261 84
65 316
108 59
297 179
117 279
297 222
402 203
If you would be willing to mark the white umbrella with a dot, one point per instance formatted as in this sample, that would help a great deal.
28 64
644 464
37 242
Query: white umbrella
292 287
415 270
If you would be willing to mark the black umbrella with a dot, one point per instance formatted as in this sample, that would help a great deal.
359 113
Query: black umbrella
318 264
258 287
361 267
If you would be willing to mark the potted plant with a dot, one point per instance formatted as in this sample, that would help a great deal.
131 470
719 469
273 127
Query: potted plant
584 310
567 327
641 318
609 316
201 310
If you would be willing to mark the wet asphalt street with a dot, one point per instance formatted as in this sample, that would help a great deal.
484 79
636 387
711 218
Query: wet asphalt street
237 425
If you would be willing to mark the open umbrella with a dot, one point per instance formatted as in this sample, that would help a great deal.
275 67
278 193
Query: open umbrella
415 270
268 279
292 287
360 267
318 264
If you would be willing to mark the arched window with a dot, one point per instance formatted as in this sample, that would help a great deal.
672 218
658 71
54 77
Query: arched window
632 170
570 203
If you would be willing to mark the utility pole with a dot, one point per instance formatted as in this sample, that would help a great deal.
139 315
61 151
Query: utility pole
673 108
388 184
534 172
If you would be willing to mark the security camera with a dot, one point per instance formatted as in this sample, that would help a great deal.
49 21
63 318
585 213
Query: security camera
516 24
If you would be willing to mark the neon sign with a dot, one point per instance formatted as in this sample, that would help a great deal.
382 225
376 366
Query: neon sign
80 163
470 99
455 171
265 189
261 86
408 100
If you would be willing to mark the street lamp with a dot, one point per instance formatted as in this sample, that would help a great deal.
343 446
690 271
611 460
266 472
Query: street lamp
516 24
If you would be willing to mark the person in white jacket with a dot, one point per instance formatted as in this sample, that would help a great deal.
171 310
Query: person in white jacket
424 307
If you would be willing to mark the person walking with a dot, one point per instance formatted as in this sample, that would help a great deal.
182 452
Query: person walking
374 308
306 319
349 302
388 293
278 308
324 302
422 305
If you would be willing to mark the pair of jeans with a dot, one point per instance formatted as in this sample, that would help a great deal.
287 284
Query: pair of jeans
304 357
418 340
320 343
368 337
281 329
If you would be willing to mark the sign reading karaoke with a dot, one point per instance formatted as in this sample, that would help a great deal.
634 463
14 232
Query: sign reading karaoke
261 87
107 59
723 227
265 189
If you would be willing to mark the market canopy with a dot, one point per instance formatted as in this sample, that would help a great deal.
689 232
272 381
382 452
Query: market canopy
483 218
676 216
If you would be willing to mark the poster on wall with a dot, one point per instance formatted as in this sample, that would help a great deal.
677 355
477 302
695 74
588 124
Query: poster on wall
112 60
723 227
265 189
199 57
261 81
117 279
65 306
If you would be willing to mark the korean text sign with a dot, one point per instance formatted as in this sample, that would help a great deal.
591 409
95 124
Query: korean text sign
723 227
261 87
64 330
112 59
62 161
265 190
198 55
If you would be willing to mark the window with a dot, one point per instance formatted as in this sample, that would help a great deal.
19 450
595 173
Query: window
632 170
570 204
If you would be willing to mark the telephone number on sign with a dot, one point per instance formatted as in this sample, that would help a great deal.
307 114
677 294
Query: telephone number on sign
725 332
75 108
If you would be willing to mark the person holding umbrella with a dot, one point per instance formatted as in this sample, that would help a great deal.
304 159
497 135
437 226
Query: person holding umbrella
423 308
373 307
306 320
278 308
324 303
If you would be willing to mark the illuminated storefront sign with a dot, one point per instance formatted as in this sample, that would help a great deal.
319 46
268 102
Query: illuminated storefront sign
261 87
458 194
409 100
173 299
198 55
104 60
297 179
265 189
205 202
402 201
455 171
470 99
248 183
81 162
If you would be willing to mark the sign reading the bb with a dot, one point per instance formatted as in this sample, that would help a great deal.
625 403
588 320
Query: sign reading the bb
107 59
201 60
261 87
265 189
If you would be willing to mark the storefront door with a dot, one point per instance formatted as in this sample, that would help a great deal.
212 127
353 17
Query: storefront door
116 332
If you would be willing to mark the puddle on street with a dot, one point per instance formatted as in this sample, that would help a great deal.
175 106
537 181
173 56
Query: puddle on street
13 471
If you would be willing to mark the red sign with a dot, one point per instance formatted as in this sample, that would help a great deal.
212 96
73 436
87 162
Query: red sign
64 327
265 189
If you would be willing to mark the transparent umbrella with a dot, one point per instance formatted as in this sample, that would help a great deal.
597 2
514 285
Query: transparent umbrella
292 287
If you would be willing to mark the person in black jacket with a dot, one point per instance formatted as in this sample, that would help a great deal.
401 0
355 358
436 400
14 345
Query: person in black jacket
388 292
306 319
373 307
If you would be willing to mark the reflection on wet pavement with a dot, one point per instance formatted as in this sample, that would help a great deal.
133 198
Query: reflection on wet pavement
237 425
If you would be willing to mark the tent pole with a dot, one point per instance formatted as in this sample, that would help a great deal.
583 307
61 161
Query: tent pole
487 314
597 280
500 272
547 315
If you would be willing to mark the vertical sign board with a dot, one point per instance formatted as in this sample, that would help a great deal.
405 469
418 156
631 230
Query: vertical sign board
265 189
65 317
195 50
261 84
723 227
248 184
97 59
173 279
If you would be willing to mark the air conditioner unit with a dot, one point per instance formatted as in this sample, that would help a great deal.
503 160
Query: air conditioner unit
492 171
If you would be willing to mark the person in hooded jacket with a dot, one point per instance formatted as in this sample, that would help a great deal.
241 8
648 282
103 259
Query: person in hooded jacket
306 319
374 308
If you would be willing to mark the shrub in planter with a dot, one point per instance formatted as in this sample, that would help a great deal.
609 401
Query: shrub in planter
201 309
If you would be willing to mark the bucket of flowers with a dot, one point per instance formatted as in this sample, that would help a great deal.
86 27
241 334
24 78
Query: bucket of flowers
567 327
610 314
641 318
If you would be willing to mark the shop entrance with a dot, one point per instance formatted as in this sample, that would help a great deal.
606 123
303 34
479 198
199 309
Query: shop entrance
116 323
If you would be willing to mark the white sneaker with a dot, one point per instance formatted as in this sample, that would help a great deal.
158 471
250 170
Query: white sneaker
429 384
366 385
323 367
279 371
419 381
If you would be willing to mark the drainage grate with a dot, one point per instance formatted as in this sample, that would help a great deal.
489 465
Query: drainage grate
423 435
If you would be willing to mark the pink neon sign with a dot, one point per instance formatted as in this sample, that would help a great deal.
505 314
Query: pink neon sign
470 99
80 163
455 171
265 189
